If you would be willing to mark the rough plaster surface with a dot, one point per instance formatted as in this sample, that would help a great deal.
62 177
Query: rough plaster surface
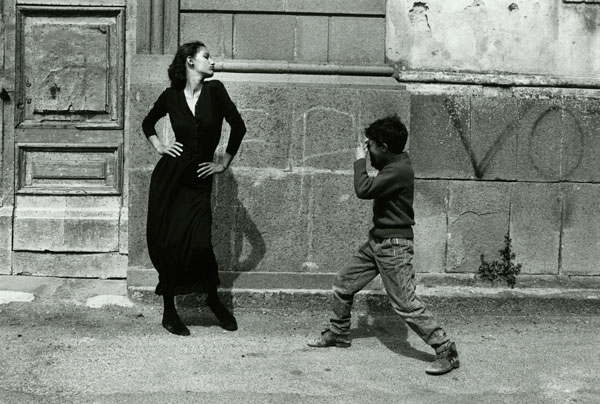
495 36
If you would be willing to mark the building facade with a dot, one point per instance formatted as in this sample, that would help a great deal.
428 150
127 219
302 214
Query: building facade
502 101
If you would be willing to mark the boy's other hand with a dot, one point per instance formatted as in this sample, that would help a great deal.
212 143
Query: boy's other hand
361 150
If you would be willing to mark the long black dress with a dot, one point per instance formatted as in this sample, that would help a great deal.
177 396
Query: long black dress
179 203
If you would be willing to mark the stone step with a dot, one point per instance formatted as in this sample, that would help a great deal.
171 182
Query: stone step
449 299
443 299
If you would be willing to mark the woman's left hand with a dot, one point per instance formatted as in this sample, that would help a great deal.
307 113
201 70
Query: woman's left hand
209 168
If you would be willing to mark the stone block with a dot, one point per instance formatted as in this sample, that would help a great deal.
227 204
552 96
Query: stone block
124 231
580 253
141 277
343 34
582 146
431 229
248 5
376 7
540 134
377 103
214 29
260 221
6 231
338 6
264 36
492 144
276 280
325 127
61 224
311 38
338 221
439 127
139 185
267 112
141 153
478 220
535 227
103 265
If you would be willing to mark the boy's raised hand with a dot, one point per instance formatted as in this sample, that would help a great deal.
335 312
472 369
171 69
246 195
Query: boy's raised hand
361 150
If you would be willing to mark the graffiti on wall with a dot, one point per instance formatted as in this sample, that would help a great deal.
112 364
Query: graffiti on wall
549 137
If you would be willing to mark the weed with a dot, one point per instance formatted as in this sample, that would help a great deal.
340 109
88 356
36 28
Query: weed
501 270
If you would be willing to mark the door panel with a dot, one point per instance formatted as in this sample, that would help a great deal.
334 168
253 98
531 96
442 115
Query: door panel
68 169
70 67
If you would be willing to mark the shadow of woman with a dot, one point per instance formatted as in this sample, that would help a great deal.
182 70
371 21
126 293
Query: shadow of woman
380 322
237 242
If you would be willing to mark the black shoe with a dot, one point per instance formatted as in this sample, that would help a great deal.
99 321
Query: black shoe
445 361
174 325
226 319
329 338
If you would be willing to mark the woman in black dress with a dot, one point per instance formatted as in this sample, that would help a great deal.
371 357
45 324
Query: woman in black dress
179 203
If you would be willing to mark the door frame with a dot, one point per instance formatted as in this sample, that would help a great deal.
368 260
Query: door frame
7 132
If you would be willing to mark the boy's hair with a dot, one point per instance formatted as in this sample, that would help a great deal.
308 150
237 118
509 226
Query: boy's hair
389 130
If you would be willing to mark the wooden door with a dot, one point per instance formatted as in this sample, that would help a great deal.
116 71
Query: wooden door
70 76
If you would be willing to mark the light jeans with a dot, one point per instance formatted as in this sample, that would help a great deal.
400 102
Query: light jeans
392 259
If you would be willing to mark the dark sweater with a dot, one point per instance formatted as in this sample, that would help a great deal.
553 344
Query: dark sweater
392 191
199 134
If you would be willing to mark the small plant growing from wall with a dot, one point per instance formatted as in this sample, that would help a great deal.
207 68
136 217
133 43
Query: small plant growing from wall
505 269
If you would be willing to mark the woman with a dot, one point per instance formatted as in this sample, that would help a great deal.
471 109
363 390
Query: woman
179 203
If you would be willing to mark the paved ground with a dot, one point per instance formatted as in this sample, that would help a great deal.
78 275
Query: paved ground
64 352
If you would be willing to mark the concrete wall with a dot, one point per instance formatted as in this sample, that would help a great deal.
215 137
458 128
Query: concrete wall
550 37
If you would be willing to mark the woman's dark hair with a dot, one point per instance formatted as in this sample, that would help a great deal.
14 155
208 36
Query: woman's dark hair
389 130
177 67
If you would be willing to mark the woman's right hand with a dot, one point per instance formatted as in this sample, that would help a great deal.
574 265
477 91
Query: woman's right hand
173 150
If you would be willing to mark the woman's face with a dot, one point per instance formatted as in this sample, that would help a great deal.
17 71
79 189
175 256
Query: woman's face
202 63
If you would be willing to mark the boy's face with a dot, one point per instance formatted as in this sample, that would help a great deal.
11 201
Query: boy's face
377 153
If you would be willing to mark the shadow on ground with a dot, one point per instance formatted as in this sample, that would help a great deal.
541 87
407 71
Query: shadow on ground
392 332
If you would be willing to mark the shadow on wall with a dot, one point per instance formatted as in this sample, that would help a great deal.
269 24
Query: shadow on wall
238 244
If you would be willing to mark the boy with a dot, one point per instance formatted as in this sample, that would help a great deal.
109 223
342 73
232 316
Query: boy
389 250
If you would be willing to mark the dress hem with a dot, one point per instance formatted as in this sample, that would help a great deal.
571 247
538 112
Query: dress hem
163 289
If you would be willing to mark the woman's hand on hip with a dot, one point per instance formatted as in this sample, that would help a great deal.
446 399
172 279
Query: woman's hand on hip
209 168
173 150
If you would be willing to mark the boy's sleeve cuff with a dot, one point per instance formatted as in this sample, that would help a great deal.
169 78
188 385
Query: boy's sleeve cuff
360 162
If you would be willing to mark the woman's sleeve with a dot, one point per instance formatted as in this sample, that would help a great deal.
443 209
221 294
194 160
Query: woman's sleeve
233 118
159 109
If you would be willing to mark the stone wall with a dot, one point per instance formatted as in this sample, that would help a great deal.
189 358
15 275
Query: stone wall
487 163
285 213
518 161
